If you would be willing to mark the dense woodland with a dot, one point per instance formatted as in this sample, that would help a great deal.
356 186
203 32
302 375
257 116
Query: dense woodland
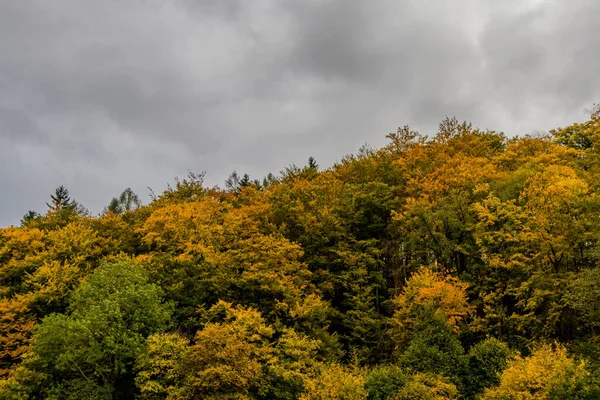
461 265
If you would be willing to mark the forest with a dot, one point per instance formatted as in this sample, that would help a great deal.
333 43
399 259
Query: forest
461 265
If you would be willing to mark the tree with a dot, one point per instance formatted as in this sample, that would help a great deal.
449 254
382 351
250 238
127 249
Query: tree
269 180
297 360
385 381
61 200
127 201
583 295
232 183
486 361
427 386
312 163
548 373
114 206
158 366
89 353
335 383
427 294
227 359
435 348
29 217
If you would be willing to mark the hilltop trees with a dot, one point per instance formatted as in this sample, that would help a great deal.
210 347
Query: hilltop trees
460 266
127 201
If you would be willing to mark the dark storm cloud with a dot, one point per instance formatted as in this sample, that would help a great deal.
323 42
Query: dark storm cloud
102 95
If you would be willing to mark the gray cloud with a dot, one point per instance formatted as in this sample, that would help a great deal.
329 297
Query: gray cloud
102 95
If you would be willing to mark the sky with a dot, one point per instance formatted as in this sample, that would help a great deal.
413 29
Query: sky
104 95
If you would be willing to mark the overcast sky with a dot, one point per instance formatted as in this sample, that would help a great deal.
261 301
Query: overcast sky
100 95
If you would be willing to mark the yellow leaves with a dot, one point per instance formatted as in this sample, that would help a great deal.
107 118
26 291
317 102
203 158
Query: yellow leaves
75 242
41 266
54 279
427 386
548 369
114 232
461 171
20 250
20 243
184 227
541 227
202 227
428 291
555 189
16 328
335 383
310 205
228 357
501 225
228 252
157 366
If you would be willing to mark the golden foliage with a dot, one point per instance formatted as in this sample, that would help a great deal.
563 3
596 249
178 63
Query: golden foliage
548 369
335 383
431 291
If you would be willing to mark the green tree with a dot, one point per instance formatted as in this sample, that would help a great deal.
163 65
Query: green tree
61 200
127 201
29 217
385 381
434 348
89 353
486 361
583 295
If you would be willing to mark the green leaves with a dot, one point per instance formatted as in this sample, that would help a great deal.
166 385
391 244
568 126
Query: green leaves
93 347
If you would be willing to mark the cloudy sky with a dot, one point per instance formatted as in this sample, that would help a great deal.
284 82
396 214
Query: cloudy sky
100 95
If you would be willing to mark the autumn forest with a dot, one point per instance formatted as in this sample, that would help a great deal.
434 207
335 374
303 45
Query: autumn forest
459 265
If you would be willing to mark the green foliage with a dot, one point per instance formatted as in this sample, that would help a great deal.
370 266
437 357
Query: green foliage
486 361
91 350
434 347
384 382
127 201
583 295
297 361
61 200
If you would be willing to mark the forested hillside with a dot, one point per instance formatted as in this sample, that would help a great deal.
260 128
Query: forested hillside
463 265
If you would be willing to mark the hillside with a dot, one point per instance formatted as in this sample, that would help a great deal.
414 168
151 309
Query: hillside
464 265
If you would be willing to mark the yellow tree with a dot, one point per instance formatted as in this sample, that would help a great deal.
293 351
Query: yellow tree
335 383
429 292
228 358
549 373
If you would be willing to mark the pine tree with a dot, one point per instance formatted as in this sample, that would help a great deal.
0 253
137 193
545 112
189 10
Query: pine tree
28 217
312 163
61 200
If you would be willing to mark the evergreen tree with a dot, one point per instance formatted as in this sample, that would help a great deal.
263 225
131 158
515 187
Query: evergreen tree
312 164
61 200
28 217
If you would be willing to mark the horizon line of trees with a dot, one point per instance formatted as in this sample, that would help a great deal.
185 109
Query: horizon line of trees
461 266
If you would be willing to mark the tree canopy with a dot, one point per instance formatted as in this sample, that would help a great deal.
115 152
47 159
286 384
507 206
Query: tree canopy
460 265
